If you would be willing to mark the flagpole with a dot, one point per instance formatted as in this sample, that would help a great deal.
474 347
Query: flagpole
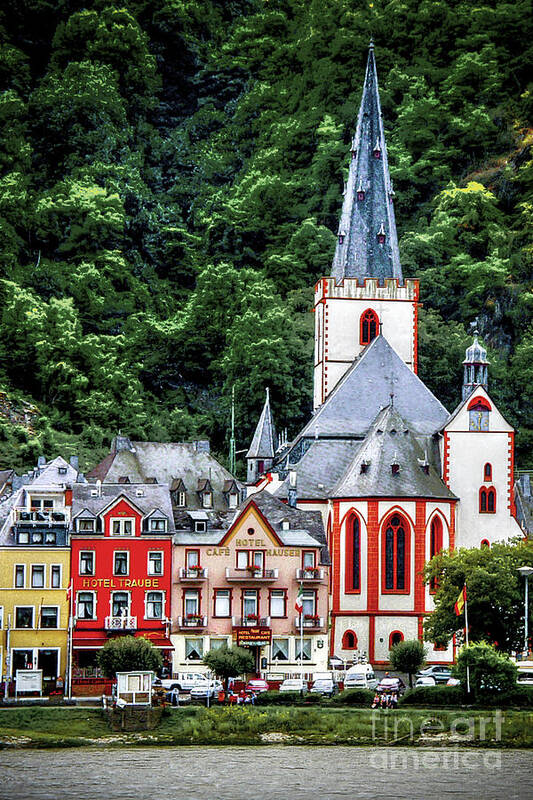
466 639
69 643
302 647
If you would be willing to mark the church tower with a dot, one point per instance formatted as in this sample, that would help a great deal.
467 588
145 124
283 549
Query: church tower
260 456
365 293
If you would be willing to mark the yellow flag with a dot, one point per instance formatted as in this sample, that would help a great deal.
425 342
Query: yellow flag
460 602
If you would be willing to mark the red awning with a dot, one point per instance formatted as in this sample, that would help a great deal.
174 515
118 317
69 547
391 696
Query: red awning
157 639
88 642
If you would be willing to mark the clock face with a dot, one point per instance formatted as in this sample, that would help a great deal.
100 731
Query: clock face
479 420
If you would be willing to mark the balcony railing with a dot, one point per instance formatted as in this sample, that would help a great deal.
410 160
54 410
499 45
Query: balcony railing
121 623
252 621
309 622
310 574
193 573
195 621
25 517
251 574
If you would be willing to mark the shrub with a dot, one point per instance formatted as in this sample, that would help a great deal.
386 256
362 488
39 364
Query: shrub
354 697
127 653
433 696
490 670
283 699
408 656
521 696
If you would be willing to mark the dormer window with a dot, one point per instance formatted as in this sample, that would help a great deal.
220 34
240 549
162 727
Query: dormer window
62 470
85 525
200 526
354 149
181 499
381 234
342 234
365 465
285 525
395 467
207 499
158 525
377 150
233 500
360 193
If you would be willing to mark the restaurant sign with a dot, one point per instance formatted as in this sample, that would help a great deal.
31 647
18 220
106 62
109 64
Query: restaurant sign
253 637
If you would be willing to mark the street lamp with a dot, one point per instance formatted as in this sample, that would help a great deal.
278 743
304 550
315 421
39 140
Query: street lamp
526 572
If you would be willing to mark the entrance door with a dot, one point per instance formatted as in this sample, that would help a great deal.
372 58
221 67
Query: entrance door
21 659
47 660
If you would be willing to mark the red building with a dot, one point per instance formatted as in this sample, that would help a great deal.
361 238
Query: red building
121 570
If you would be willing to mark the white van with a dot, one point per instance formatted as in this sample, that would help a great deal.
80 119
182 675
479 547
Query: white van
361 676
185 681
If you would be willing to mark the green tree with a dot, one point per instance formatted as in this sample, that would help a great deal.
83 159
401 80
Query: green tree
229 662
408 656
490 670
128 653
495 594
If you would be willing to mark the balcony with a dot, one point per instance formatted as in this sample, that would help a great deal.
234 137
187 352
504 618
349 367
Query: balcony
251 621
310 622
121 623
310 575
195 621
251 575
23 516
193 574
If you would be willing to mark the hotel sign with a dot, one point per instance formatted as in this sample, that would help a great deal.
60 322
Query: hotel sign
253 637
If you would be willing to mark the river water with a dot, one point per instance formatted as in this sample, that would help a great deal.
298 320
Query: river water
269 773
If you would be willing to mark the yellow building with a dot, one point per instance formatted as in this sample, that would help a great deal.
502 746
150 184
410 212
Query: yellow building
34 576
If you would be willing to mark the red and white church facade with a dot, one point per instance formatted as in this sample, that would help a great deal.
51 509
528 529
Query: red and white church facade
396 476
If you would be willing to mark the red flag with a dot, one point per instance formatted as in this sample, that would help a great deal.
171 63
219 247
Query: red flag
69 591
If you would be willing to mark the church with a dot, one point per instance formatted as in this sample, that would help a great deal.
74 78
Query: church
395 475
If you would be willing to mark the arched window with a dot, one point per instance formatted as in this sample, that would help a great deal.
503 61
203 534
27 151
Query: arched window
487 500
369 326
395 638
485 543
353 555
487 472
478 412
395 554
435 545
349 641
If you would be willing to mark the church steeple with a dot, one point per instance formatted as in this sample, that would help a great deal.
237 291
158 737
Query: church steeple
367 245
475 368
262 449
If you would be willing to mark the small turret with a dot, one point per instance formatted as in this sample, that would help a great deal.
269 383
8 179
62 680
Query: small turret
475 368
260 456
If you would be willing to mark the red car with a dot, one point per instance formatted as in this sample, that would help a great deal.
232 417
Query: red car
257 685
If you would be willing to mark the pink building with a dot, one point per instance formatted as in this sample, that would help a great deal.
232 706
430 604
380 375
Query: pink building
238 583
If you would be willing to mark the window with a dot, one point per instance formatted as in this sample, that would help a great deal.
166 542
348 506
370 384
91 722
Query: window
120 563
278 604
194 649
280 650
120 604
487 500
122 527
181 499
20 576
200 526
242 559
37 576
485 543
309 604
435 546
258 559
191 603
249 604
87 562
23 537
85 605
349 641
305 651
217 644
50 537
395 548
232 500
158 525
353 554
24 617
154 605
222 603
487 472
37 537
55 576
86 525
155 563
369 326
49 617
192 558
395 638
308 559
207 499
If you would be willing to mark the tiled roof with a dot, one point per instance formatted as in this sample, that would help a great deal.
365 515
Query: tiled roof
153 497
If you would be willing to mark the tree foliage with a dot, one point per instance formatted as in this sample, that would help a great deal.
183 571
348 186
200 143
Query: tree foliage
229 662
408 656
490 670
128 654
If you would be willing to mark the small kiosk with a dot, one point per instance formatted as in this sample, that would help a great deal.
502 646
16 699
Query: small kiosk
134 688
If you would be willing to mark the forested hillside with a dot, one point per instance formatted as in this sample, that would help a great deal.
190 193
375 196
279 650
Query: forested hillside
171 176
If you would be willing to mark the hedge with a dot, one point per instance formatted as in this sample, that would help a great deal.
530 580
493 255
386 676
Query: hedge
354 697
287 699
521 696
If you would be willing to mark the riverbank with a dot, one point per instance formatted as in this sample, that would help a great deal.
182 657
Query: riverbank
82 727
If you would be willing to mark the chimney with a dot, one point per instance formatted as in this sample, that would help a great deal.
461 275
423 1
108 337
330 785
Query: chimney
293 481
202 446
41 461
75 462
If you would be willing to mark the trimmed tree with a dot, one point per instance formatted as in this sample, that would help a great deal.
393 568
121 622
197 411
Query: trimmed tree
227 662
128 653
490 670
408 656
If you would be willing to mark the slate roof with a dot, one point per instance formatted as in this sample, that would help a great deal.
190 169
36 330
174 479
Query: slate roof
50 473
366 388
524 503
262 445
155 496
168 463
360 255
389 441
320 467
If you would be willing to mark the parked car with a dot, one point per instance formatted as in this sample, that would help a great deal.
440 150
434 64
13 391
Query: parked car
294 685
391 684
210 690
426 680
325 686
524 676
441 673
257 685
453 682
183 681
361 676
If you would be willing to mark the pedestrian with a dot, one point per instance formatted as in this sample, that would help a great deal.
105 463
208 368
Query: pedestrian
376 700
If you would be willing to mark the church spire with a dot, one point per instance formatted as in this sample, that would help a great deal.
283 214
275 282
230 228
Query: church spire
367 245
262 449
475 368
